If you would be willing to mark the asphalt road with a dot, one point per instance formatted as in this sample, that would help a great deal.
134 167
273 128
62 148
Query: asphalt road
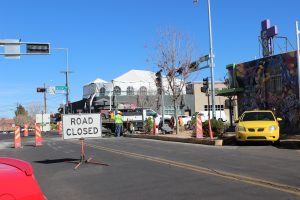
151 169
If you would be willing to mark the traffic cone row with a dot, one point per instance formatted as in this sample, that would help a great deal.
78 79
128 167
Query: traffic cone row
17 138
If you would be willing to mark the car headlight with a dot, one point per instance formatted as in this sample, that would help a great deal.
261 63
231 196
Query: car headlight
241 128
272 128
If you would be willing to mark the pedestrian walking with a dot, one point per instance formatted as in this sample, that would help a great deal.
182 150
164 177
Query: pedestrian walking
118 124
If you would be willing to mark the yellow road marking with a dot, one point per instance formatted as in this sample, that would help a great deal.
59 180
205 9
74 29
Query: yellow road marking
204 170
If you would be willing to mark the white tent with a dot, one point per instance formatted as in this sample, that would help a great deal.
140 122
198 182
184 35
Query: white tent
132 80
92 87
135 79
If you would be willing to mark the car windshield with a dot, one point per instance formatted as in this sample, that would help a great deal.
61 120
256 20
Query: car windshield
258 116
150 113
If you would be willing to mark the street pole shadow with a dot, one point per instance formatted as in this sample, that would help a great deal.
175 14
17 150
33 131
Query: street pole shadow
78 162
53 161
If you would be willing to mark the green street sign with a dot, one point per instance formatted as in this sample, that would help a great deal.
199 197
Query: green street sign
62 87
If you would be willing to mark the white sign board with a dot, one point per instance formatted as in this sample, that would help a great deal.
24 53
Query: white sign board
43 120
76 126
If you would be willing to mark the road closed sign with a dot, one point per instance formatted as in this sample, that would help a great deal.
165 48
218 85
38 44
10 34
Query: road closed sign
81 126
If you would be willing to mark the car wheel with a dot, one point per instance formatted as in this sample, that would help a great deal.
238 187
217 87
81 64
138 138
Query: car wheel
239 143
276 143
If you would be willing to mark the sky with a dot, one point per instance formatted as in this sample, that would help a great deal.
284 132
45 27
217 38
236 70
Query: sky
106 39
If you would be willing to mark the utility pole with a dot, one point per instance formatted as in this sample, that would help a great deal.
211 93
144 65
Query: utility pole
67 86
163 105
45 99
208 106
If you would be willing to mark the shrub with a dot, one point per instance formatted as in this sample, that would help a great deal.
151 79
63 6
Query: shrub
148 125
53 127
218 127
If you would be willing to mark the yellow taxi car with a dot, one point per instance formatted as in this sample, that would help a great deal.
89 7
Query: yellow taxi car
258 125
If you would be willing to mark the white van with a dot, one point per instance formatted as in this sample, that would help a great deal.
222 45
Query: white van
220 115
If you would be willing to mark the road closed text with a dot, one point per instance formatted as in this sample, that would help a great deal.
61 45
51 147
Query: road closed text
81 126
82 131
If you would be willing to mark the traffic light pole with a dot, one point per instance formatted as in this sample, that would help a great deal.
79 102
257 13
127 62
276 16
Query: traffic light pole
212 64
163 105
45 99
208 94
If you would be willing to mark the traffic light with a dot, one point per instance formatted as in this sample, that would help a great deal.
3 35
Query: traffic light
194 66
61 110
158 81
38 48
180 70
40 89
205 85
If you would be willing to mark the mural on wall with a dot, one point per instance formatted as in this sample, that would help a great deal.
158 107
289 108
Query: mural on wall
271 83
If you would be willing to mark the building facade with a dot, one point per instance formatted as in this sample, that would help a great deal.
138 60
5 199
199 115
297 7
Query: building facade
137 88
270 83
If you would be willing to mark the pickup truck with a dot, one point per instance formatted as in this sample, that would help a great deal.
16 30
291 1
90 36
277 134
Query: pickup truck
221 116
132 119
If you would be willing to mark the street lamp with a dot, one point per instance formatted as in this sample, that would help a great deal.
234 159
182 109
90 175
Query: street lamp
211 60
67 75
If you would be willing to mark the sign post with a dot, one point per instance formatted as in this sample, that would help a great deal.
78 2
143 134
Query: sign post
81 126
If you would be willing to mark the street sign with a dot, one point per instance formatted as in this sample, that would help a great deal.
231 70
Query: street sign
62 87
51 90
81 126
204 58
12 48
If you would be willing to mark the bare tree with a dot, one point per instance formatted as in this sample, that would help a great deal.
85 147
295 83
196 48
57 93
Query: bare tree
173 55
33 109
21 120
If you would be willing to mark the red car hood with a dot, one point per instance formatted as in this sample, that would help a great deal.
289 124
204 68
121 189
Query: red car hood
18 181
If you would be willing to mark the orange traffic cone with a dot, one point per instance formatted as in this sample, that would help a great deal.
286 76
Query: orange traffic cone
38 135
25 130
199 130
59 128
17 137
154 127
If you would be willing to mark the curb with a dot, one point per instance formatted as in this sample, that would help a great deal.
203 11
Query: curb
214 142
227 141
